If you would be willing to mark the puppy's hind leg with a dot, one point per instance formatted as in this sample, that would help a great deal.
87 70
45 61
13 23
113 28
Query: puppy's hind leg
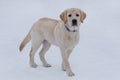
32 53
36 42
46 46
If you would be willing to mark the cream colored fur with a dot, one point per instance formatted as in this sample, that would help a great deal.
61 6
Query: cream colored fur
48 31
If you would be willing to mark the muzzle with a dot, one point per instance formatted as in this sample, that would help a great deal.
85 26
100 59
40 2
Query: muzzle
74 22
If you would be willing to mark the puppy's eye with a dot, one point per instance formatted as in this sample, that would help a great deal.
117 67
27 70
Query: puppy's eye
69 15
77 15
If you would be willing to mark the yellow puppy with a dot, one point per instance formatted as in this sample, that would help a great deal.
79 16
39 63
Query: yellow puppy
64 34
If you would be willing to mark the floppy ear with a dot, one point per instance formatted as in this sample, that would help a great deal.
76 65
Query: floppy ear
83 16
63 16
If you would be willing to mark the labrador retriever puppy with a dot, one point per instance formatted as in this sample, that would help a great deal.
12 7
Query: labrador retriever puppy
63 33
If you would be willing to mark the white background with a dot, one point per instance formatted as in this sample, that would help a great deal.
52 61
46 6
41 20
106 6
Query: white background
96 57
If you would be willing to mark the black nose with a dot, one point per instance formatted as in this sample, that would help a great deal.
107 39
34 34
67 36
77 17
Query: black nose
74 22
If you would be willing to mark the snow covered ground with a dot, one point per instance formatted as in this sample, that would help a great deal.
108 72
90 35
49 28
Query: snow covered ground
96 57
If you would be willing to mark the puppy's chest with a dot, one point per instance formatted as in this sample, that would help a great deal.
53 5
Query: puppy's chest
71 41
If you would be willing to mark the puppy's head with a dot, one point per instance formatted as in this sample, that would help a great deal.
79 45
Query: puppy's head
73 16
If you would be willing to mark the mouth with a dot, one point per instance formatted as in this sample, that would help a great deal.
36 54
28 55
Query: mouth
74 22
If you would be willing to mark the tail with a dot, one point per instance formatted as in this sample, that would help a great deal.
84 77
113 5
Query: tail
25 41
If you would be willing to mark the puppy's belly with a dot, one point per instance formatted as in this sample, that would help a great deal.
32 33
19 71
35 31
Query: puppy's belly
51 40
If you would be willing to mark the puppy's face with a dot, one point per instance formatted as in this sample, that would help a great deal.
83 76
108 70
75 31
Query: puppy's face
73 17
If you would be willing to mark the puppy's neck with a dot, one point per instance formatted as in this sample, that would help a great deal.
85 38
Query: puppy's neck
71 31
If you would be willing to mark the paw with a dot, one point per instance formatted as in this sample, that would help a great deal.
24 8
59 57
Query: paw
70 74
46 65
63 68
33 65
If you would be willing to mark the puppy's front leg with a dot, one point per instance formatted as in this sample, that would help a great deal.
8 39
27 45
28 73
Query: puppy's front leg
68 52
66 63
